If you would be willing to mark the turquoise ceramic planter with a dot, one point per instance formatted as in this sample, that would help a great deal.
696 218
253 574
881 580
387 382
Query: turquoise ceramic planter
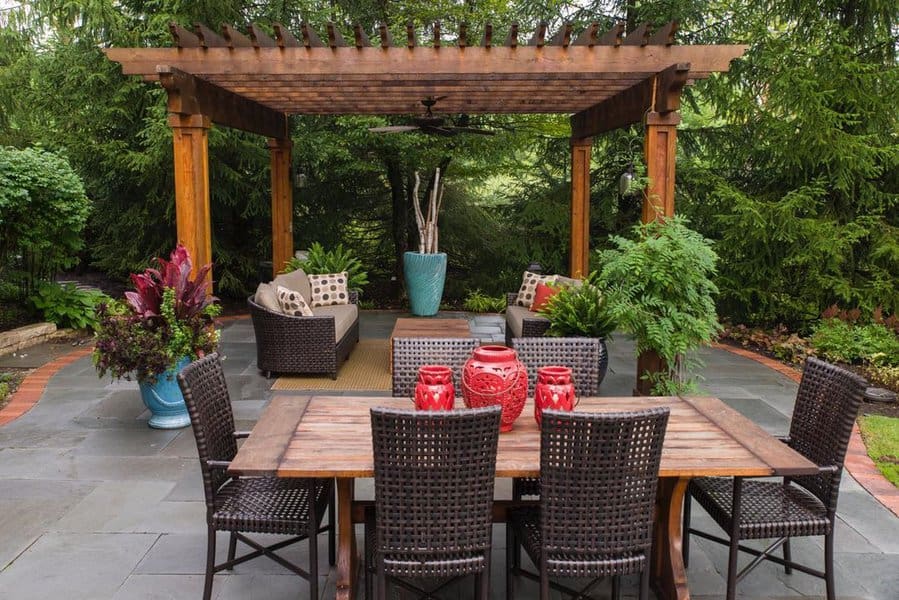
164 399
425 275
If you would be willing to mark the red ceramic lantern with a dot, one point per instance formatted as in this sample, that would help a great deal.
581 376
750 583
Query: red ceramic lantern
554 390
434 389
494 375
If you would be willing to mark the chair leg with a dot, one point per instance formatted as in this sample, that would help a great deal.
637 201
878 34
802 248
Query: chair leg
210 563
644 582
232 547
686 528
828 566
382 582
482 581
510 563
788 557
734 539
313 555
616 587
544 581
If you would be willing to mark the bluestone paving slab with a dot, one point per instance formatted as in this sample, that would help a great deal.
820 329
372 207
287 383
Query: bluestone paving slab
161 587
18 434
259 586
37 355
189 488
870 519
118 407
877 573
759 411
126 442
74 566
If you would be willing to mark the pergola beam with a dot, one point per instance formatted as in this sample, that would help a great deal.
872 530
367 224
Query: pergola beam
660 93
189 95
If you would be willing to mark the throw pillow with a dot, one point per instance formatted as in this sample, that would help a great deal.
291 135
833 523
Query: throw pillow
292 303
542 295
267 297
529 287
329 288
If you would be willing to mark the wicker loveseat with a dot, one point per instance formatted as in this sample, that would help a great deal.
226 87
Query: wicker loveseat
522 322
316 344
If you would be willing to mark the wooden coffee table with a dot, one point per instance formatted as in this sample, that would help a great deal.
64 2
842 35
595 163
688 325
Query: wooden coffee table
412 327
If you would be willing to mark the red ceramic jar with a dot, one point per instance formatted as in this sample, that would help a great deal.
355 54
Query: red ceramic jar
554 390
494 375
434 389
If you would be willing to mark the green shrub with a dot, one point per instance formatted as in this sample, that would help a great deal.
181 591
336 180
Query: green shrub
67 306
841 341
479 302
581 311
338 259
883 376
43 210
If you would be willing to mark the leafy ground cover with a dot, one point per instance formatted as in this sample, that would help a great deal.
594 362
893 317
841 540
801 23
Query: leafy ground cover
881 435
9 381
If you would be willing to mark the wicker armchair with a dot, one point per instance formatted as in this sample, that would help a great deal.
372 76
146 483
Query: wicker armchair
531 326
434 475
588 360
411 353
599 474
825 410
288 344
292 507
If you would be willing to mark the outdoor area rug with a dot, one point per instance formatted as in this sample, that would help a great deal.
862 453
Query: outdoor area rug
368 368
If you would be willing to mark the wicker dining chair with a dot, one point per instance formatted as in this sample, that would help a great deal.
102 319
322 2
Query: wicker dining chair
826 406
433 518
241 505
598 475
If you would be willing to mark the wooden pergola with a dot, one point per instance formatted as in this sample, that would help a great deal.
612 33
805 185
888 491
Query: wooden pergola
253 81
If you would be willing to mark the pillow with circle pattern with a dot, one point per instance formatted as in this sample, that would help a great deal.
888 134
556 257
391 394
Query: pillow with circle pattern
528 290
292 303
329 288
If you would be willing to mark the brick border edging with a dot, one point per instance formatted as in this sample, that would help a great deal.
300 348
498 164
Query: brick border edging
32 387
858 463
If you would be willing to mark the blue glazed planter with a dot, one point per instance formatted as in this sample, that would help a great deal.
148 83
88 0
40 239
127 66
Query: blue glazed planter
164 399
425 275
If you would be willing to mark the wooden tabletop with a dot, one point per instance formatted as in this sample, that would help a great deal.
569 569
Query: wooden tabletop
330 436
420 327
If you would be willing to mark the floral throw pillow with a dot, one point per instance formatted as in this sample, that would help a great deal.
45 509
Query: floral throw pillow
528 290
292 303
329 288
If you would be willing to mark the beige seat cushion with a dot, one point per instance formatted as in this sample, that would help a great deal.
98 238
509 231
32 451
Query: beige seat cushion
514 317
266 297
561 280
344 316
295 280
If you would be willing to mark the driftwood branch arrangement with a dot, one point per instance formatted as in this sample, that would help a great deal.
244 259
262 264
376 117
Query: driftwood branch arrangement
427 223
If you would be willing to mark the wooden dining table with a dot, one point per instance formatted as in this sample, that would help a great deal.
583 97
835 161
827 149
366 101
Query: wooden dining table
330 436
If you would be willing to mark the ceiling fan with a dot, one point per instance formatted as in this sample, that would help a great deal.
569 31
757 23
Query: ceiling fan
433 125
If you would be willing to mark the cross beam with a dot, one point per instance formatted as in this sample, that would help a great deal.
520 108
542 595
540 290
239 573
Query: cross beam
189 95
659 93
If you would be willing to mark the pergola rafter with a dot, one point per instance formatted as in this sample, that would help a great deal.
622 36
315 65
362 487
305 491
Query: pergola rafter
605 79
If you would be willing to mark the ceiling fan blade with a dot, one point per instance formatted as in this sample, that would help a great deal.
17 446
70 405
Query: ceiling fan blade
393 128
444 131
473 130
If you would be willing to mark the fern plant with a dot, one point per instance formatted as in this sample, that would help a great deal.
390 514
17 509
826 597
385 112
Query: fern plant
479 302
659 287
320 261
580 311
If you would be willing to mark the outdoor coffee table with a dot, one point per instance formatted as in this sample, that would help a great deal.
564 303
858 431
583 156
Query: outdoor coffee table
412 327
322 436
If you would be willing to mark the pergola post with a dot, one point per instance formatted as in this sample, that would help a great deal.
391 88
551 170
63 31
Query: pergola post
580 206
660 148
282 203
190 138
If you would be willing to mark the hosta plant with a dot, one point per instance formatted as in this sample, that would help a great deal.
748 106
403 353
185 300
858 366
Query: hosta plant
167 317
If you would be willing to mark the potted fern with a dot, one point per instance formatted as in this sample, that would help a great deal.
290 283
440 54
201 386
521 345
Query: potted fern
425 270
156 331
582 311
660 289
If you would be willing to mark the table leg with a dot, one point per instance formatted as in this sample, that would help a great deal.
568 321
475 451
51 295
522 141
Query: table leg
346 540
669 575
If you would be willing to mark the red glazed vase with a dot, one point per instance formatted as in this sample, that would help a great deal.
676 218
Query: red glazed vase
554 390
434 389
494 375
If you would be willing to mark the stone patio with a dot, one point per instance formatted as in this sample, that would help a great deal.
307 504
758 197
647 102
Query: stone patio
95 505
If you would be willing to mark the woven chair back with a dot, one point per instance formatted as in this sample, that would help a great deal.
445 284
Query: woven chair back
409 354
206 396
434 474
826 406
599 473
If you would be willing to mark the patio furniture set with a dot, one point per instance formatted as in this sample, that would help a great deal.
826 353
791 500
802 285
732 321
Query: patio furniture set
612 481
